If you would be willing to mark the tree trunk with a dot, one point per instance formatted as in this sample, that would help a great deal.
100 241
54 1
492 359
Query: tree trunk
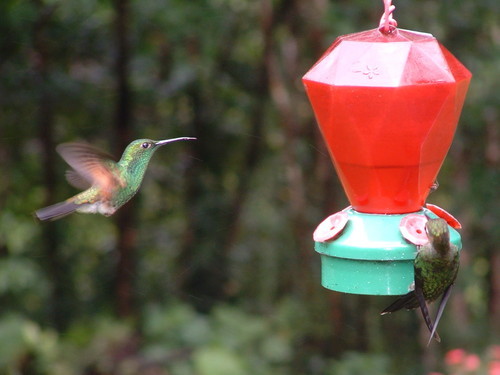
59 307
125 217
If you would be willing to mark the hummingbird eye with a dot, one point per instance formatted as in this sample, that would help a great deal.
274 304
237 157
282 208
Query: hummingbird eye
146 145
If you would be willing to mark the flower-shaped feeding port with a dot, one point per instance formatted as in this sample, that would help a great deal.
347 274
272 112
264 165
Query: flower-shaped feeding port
331 227
412 227
387 102
450 219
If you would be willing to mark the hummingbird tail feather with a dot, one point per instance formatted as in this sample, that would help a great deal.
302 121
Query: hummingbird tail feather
56 211
441 307
425 314
408 301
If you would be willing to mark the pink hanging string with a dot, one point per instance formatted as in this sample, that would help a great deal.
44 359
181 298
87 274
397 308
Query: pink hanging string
387 23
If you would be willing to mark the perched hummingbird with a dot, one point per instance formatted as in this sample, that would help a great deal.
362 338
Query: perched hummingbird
436 268
108 184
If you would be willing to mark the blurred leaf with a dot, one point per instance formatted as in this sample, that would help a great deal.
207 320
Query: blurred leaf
17 233
361 364
12 343
18 275
218 361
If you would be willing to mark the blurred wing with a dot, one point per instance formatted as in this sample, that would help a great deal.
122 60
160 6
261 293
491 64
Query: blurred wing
90 165
76 180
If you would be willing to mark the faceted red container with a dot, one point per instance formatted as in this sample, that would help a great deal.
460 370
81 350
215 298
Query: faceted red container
387 106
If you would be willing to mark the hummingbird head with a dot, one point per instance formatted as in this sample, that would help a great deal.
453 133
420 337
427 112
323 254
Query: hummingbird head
438 233
145 148
138 153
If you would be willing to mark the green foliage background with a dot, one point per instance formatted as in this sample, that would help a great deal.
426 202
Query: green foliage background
223 279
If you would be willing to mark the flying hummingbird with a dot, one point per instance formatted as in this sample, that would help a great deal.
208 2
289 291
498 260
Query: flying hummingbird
107 184
436 267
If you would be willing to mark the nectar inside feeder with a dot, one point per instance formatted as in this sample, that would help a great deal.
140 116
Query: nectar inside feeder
387 102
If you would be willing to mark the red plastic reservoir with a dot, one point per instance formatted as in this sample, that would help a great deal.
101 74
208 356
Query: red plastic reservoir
387 106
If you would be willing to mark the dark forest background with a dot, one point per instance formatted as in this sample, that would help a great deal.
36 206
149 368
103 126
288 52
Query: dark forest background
210 269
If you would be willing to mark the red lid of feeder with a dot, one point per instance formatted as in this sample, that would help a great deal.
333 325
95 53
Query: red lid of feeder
387 105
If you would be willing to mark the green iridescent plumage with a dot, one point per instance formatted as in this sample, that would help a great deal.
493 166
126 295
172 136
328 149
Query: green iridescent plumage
108 184
436 267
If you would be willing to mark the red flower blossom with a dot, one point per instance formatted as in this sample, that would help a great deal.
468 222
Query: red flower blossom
455 357
495 352
494 368
472 362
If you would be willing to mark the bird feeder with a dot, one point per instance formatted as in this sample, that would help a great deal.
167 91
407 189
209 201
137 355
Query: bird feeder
387 102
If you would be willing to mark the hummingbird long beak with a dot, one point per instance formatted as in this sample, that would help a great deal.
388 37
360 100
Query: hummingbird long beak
165 141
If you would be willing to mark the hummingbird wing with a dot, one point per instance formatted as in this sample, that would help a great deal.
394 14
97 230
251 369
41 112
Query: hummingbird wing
419 293
77 180
442 305
425 314
407 301
91 165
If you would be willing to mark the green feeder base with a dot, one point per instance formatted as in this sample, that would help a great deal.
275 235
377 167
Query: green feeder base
370 256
